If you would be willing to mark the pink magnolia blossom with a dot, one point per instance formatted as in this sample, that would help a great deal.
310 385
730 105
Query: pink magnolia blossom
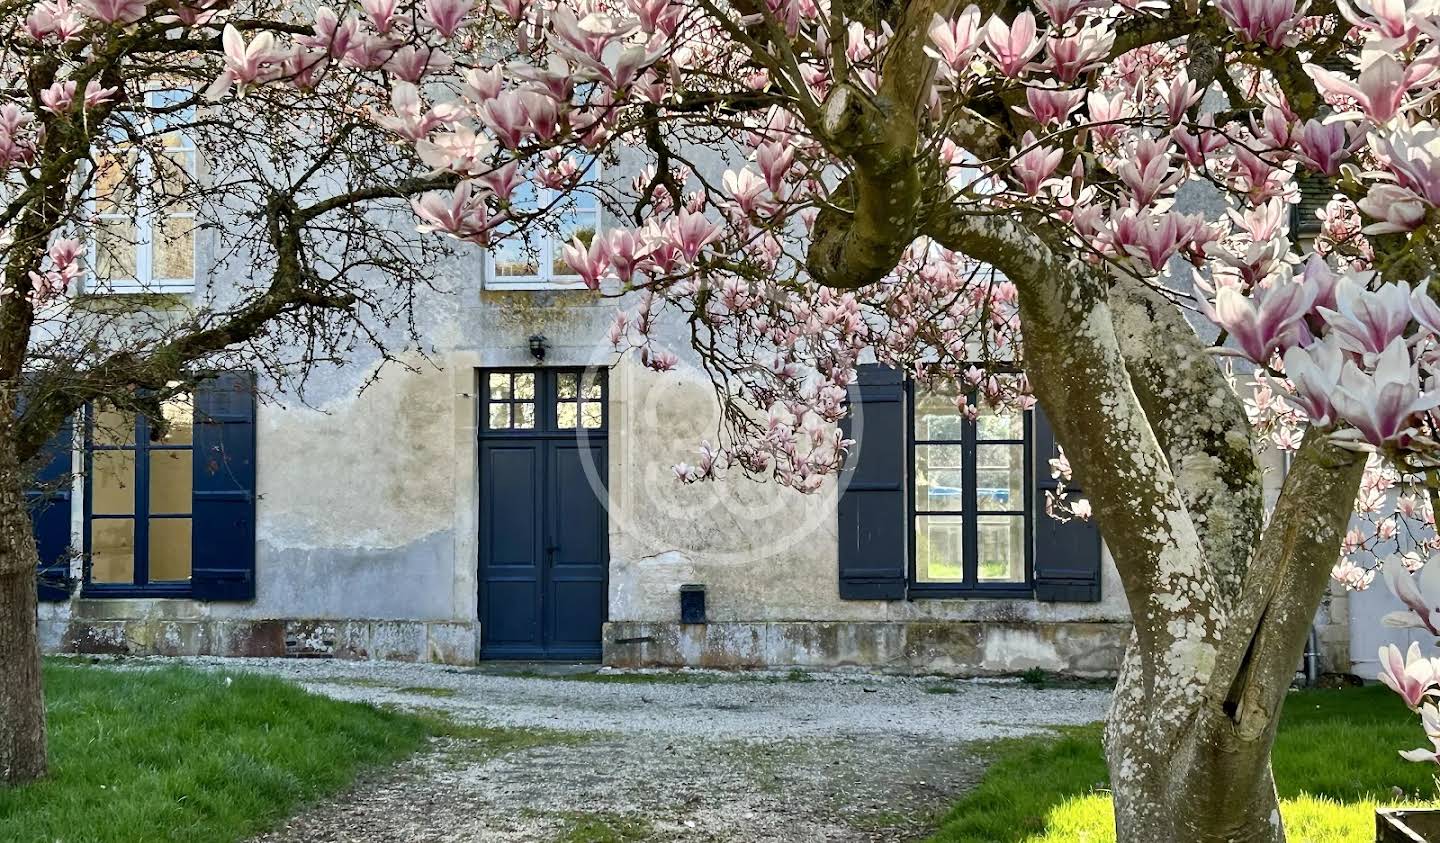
380 13
1412 154
628 252
1051 105
1380 88
1421 595
1367 321
1430 720
1147 172
1394 208
589 262
1013 46
1034 164
461 214
690 232
955 40
1061 12
56 19
1382 404
1325 146
1071 56
446 16
1267 22
1268 321
1412 676
246 64
115 11
1315 373
1179 96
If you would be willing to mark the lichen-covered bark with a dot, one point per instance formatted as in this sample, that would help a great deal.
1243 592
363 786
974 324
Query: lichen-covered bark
22 705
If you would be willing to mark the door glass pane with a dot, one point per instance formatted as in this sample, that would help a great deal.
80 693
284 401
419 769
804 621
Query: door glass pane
170 480
499 416
114 427
1001 545
939 548
939 478
593 388
525 416
992 425
567 415
1000 477
937 418
567 386
112 482
525 386
169 549
499 386
592 414
179 415
112 550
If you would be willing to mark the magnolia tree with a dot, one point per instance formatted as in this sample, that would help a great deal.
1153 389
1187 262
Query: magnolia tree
912 181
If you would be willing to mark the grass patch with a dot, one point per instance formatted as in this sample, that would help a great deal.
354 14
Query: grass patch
425 691
1335 759
604 828
939 688
178 754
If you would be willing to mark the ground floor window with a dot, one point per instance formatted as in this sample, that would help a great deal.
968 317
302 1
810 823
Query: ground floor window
970 507
139 492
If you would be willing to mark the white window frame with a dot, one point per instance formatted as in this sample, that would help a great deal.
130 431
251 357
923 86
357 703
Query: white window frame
144 219
549 249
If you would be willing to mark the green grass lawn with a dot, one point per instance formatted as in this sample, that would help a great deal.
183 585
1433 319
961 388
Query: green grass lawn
1335 758
176 754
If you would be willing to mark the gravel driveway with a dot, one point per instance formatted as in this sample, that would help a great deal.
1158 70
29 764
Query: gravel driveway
695 756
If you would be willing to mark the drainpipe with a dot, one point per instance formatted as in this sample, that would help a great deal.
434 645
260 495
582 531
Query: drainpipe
1312 658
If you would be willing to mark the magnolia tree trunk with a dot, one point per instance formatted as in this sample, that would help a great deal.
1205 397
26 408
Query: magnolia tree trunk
22 707
1222 601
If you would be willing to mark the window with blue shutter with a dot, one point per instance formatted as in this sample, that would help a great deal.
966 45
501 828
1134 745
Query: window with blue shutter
935 503
169 504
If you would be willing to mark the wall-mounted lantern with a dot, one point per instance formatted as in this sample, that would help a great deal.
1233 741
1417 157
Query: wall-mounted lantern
538 345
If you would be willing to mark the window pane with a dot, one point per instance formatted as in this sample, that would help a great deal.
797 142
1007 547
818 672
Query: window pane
1001 548
175 248
176 181
592 414
112 482
114 249
937 418
514 257
525 416
499 416
499 385
939 548
991 425
169 549
113 187
567 415
1000 477
568 384
112 550
114 427
939 478
170 479
593 389
179 415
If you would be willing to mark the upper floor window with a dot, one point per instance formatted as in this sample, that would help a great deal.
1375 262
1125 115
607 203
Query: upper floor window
970 504
536 260
144 224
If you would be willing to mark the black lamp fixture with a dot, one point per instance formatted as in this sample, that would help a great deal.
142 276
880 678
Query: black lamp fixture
538 344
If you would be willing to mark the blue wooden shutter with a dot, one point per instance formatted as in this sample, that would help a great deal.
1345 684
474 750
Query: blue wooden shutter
874 536
49 500
223 508
1067 554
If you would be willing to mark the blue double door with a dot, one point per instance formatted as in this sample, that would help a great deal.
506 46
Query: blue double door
544 529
